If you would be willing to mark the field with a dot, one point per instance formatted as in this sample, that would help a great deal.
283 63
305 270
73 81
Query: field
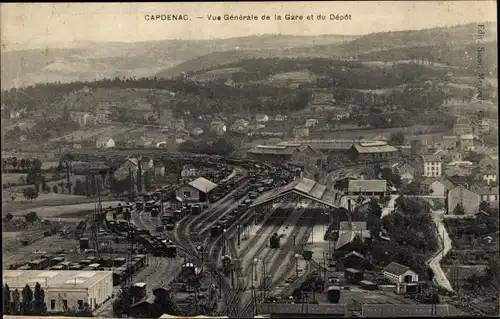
13 178
296 76
65 210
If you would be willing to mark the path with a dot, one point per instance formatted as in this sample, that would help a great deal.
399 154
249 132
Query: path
445 241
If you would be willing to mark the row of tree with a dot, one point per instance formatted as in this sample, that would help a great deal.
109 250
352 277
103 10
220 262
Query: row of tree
28 302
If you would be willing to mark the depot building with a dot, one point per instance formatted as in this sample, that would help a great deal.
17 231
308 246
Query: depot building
64 289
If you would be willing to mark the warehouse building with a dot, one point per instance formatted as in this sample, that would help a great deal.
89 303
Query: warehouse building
372 151
368 187
196 191
64 289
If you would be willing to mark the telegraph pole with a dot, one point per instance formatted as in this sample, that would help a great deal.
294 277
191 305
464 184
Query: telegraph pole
239 234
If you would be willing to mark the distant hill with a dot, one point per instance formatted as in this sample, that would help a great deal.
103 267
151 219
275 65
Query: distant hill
89 61
442 45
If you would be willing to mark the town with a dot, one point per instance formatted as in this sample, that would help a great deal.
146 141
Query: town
264 187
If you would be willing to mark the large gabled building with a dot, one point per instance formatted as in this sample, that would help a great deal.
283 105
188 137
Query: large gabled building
372 151
196 190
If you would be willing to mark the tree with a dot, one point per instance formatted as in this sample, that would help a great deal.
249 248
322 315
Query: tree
8 217
30 193
484 206
6 300
27 302
132 196
12 197
139 179
16 304
122 301
148 181
31 217
459 209
39 306
14 162
222 147
397 138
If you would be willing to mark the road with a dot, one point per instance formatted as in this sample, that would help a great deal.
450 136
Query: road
435 262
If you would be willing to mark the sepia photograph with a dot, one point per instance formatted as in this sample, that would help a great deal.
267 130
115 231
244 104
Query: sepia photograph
250 159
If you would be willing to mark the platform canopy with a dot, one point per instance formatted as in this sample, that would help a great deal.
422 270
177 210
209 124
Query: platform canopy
303 187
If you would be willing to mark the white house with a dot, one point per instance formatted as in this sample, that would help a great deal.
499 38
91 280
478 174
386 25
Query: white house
261 118
189 170
196 191
218 127
440 188
432 166
300 131
342 115
280 118
311 122
197 131
490 176
17 114
105 142
80 117
400 275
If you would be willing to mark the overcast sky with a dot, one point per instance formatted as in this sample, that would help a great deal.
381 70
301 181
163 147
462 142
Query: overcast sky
34 24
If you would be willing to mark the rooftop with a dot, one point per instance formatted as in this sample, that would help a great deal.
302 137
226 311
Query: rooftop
202 184
327 144
366 185
431 158
396 269
273 149
345 238
304 187
55 279
380 147
416 310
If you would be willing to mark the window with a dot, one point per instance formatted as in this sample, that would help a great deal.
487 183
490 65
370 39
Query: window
187 194
80 304
52 304
65 303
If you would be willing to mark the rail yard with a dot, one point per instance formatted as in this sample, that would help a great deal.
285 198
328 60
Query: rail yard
250 242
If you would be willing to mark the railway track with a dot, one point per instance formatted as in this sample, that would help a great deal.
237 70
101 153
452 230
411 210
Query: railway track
279 258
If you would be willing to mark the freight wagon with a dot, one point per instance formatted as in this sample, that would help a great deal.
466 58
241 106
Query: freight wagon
39 264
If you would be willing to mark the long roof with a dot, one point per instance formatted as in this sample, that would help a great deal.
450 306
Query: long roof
202 184
367 185
304 187
273 150
327 144
66 279
374 148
